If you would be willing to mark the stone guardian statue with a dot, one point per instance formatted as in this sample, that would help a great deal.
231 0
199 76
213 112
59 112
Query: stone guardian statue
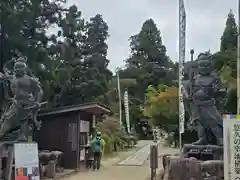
201 93
25 104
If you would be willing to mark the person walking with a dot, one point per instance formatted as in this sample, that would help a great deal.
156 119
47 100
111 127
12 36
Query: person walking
98 148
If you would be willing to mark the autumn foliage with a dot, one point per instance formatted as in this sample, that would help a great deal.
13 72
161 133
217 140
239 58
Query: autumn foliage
162 106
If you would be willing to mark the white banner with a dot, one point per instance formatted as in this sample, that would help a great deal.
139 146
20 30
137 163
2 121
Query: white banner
182 45
126 104
26 161
231 135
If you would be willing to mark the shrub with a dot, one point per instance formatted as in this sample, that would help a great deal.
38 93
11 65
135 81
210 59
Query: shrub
112 133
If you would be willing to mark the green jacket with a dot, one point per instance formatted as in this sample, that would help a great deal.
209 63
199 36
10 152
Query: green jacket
98 144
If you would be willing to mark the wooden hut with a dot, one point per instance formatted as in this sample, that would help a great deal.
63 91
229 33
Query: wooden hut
67 129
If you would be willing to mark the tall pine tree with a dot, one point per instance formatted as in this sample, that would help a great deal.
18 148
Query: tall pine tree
148 55
225 61
95 56
229 37
147 47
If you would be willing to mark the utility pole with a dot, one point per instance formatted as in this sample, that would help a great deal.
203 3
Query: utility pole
238 62
119 97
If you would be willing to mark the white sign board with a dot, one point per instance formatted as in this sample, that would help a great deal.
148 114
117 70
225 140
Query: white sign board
84 126
231 134
126 104
26 161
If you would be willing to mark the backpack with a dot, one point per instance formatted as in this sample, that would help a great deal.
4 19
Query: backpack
97 144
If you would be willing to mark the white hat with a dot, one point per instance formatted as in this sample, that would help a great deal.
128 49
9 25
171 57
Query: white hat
98 133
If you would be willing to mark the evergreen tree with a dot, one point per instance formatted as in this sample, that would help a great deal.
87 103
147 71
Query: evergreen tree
95 56
229 37
147 47
148 56
148 64
225 61
70 74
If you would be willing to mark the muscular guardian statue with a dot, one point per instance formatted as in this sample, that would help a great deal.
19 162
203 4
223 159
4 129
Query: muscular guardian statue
201 93
25 103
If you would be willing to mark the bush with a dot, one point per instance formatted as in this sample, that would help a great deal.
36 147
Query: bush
109 143
113 134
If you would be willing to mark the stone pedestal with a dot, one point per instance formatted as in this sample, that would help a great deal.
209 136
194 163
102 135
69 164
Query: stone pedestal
178 168
195 163
203 152
212 170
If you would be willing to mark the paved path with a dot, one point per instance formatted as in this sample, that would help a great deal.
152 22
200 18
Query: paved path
138 158
126 155
112 171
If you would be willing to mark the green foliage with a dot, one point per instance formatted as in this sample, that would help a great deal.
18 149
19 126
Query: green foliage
229 37
162 106
148 57
147 65
225 61
70 62
23 32
112 133
108 148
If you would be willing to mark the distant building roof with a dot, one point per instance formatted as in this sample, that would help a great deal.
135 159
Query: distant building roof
93 107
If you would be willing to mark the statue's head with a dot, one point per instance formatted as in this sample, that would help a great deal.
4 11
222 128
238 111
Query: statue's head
204 63
20 67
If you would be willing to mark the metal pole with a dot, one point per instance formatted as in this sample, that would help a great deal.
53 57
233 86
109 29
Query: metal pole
182 42
2 38
238 62
192 52
119 97
180 77
191 72
154 161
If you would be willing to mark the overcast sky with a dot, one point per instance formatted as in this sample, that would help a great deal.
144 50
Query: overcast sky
205 23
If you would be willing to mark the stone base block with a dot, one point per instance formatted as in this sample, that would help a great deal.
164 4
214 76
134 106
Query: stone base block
165 159
182 169
203 152
179 168
212 170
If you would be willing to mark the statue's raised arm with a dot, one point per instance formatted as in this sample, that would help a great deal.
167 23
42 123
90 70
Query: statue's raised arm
5 77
